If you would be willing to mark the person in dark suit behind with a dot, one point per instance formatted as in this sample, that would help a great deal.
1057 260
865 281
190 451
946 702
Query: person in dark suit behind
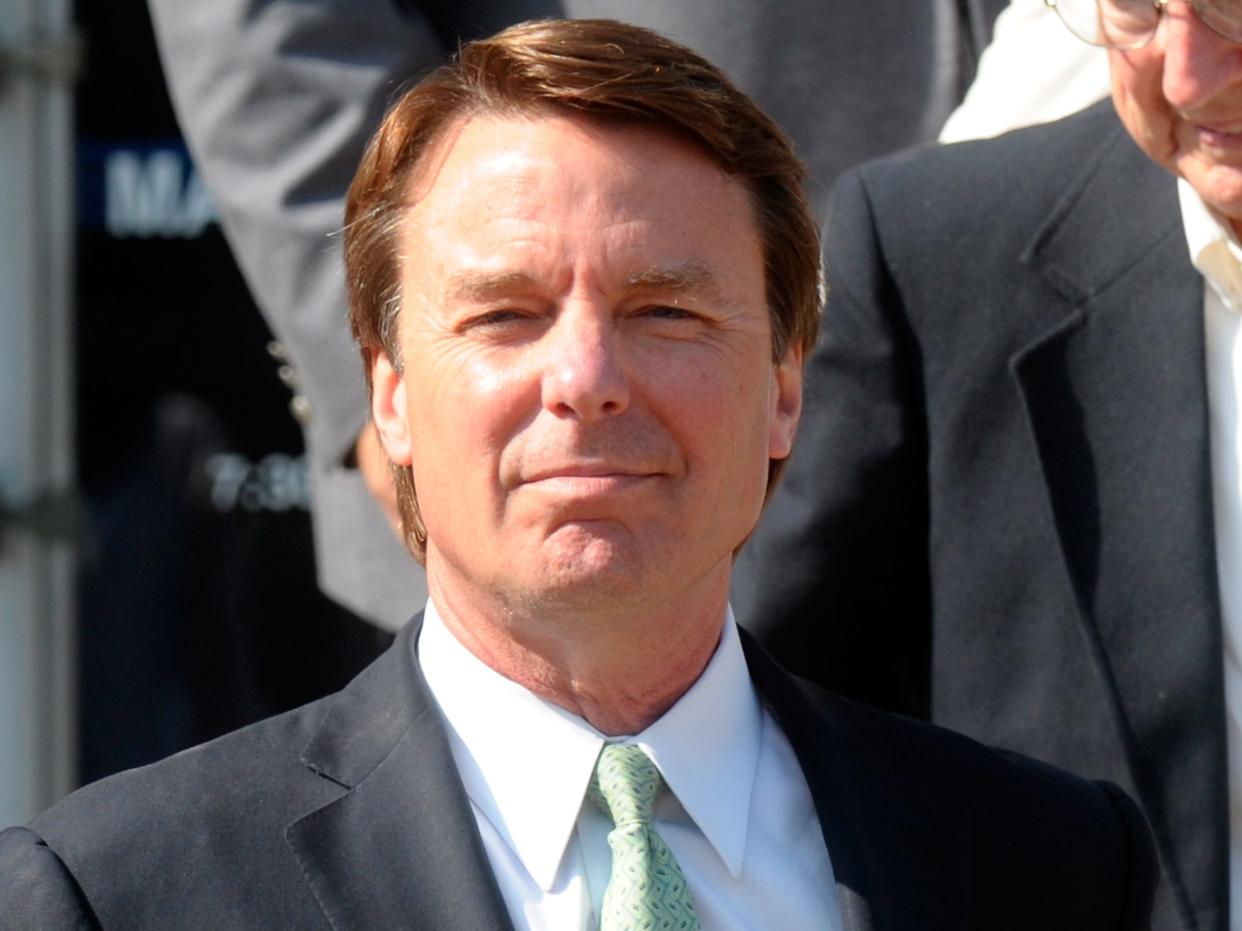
583 274
1014 507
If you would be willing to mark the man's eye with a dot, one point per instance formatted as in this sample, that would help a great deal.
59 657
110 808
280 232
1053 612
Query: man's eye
497 318
666 312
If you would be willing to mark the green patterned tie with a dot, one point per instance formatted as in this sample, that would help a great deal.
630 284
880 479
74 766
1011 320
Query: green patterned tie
646 890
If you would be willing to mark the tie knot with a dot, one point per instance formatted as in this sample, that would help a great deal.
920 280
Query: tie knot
626 784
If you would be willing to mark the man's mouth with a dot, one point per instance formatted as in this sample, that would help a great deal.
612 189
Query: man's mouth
589 478
1219 135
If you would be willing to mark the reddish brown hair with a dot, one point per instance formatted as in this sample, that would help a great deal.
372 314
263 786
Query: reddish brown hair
606 70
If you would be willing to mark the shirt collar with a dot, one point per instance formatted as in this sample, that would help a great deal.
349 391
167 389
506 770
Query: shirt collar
707 748
1214 249
526 762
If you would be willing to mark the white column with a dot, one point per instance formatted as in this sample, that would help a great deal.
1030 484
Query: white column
37 616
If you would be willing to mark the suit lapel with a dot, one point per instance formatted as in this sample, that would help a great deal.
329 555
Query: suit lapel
1116 401
899 850
399 848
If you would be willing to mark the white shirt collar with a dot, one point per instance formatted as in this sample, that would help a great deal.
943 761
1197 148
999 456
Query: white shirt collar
1214 250
526 762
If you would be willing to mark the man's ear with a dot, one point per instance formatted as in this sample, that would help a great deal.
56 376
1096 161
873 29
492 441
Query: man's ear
787 403
388 409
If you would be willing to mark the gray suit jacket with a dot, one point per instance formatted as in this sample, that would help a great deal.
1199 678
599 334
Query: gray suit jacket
999 510
349 814
278 97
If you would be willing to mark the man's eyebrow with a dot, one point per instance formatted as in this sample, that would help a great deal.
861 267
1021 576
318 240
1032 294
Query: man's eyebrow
688 277
479 285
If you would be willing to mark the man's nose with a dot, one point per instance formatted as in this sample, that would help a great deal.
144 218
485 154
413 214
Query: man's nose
584 375
1198 63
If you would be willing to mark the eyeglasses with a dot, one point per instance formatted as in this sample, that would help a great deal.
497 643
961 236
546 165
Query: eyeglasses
1132 23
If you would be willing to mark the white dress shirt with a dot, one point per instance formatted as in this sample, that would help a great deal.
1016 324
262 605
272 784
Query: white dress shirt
1034 70
738 815
1215 252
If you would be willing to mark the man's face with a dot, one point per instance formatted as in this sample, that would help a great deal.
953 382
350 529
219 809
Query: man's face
1180 97
589 400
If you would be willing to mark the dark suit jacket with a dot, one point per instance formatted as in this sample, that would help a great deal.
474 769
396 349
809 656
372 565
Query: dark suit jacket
349 814
278 97
999 512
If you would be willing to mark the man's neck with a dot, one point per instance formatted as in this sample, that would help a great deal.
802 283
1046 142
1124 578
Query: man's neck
618 668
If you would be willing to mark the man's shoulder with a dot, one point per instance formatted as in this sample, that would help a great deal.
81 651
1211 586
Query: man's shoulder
264 771
895 750
1040 149
1028 820
190 840
989 780
1019 823
208 825
206 782
946 761
983 181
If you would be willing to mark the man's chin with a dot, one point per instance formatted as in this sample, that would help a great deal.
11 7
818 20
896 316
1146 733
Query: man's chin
578 569
597 561
1218 183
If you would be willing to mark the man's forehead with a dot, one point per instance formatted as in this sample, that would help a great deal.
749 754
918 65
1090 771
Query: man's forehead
497 144
511 203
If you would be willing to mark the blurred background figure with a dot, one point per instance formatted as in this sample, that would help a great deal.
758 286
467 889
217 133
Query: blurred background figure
1015 503
197 566
155 548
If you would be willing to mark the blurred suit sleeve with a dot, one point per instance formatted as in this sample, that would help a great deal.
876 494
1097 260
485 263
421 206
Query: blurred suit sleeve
277 99
37 891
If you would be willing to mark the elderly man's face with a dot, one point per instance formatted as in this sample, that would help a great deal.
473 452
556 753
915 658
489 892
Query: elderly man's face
589 400
1180 96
